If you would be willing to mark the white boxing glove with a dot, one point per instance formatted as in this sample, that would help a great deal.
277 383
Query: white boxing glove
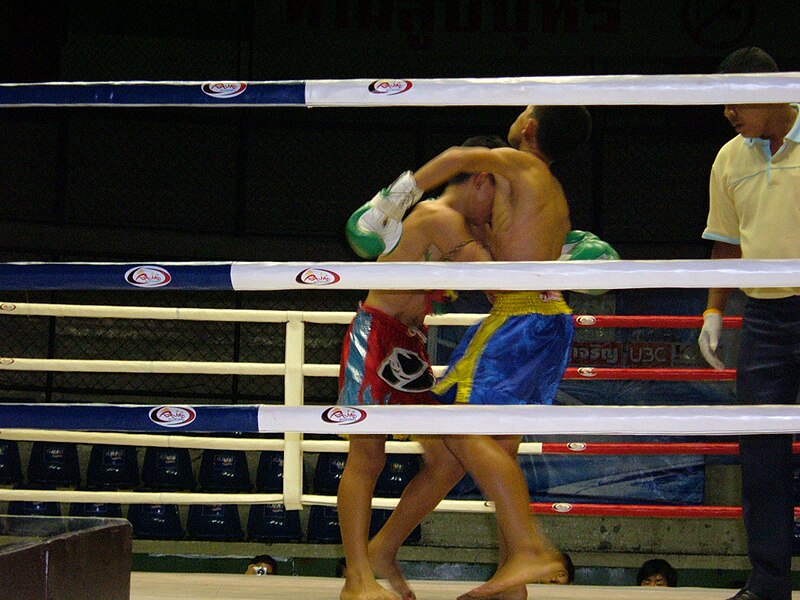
709 338
375 228
396 199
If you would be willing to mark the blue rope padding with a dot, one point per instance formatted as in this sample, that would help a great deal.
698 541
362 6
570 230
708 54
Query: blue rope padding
126 418
132 276
184 93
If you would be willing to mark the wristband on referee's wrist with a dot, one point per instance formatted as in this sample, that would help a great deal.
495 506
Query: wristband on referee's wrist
712 311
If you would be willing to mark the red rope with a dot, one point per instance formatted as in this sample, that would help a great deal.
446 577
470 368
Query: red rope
672 374
639 510
641 448
657 322
669 374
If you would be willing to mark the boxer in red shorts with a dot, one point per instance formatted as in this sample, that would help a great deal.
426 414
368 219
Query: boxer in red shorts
384 360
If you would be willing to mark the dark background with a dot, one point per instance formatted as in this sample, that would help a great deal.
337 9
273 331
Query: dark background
278 183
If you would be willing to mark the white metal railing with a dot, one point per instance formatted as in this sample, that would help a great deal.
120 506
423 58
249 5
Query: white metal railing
294 370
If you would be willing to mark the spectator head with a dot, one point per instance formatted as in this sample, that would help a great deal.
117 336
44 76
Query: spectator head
657 572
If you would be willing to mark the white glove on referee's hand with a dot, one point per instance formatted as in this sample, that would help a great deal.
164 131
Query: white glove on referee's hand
709 338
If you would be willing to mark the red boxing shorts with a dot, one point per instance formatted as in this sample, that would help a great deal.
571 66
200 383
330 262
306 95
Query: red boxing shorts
384 361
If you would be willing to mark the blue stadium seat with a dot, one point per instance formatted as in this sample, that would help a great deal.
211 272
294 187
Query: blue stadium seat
323 525
156 521
90 509
398 471
34 508
328 472
381 515
273 523
466 489
796 538
112 467
167 469
10 465
224 471
214 522
269 475
54 463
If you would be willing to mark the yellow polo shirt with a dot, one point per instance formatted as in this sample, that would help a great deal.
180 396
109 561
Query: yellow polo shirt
754 201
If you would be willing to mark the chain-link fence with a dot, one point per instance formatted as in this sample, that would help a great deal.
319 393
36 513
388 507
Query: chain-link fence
167 340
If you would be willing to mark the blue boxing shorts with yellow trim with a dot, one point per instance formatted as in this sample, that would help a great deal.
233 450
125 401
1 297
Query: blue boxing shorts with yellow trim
516 355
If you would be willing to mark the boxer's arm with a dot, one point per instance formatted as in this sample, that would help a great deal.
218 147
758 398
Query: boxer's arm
506 162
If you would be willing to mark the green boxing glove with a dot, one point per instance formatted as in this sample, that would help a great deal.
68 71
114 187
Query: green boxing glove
574 237
584 245
375 228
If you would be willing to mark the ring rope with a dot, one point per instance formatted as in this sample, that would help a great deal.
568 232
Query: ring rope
667 374
542 275
481 506
416 420
392 447
8 363
646 448
322 370
641 510
494 91
342 317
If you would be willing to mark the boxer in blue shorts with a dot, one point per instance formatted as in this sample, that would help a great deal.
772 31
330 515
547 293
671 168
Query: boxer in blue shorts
530 222
517 355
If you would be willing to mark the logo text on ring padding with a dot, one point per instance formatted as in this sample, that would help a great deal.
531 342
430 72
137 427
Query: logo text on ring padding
314 276
148 276
344 415
172 416
389 87
223 89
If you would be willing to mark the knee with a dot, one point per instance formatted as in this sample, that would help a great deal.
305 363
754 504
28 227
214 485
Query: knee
444 465
366 464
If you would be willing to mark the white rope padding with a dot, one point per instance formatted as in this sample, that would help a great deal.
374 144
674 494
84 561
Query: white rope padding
533 419
564 90
536 275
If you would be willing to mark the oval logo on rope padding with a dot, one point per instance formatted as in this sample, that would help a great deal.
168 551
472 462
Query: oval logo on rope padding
148 276
344 415
172 416
562 507
317 277
224 89
389 87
